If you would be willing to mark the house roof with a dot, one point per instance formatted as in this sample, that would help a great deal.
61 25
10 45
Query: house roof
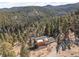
40 38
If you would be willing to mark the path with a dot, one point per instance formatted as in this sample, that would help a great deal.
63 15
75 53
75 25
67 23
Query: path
74 52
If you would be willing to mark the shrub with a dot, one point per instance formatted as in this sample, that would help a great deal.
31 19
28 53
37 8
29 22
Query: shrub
6 50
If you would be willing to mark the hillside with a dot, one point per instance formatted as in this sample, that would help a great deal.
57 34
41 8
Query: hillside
35 13
49 9
19 26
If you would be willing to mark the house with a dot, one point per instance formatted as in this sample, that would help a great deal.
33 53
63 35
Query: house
39 41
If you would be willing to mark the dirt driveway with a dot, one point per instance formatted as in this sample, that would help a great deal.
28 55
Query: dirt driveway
50 51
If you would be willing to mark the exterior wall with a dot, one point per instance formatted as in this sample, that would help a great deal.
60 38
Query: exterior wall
41 41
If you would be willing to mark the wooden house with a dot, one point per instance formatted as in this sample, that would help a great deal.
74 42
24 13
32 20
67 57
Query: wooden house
39 41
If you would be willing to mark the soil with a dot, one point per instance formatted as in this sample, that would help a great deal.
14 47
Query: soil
50 51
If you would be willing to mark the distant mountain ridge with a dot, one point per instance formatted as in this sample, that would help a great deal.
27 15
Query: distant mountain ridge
54 10
68 7
29 14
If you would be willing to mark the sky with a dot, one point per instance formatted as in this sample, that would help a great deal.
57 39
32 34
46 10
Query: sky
16 3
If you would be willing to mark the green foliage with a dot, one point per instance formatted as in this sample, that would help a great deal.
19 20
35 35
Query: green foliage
24 51
9 54
6 50
20 25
